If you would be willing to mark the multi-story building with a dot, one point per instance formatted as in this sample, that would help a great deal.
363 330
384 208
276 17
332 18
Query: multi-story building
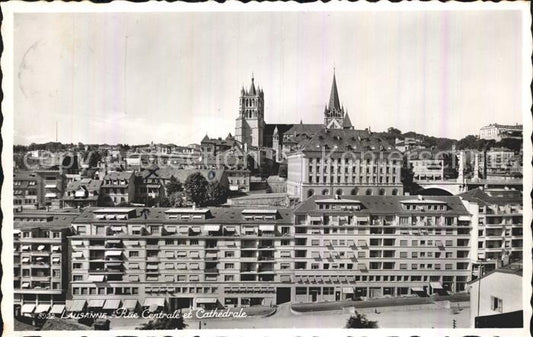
344 162
27 190
498 132
497 225
373 246
82 193
53 183
180 258
500 163
148 185
427 165
118 188
40 262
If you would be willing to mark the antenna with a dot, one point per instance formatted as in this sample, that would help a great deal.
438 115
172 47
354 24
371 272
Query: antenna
124 74
56 131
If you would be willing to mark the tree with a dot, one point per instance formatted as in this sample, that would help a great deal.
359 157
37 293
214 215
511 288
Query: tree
196 188
166 323
394 132
217 194
174 185
359 321
176 199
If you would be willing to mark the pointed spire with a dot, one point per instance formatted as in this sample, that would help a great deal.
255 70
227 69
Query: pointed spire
334 103
347 123
206 138
252 87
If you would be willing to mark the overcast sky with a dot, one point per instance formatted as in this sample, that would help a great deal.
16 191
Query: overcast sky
135 78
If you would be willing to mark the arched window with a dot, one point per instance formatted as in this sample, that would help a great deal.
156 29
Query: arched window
368 192
394 192
325 191
354 191
381 191
338 192
310 193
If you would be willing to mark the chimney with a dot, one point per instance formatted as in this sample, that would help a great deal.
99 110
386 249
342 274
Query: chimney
193 205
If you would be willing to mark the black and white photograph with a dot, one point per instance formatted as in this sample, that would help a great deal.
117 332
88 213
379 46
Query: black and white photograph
265 166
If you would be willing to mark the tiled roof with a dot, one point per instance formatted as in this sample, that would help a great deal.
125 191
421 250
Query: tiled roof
344 140
58 222
231 215
383 205
493 196
182 174
116 175
88 184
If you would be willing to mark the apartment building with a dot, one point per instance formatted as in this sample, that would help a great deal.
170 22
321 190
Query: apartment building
427 165
118 188
53 183
27 191
373 246
178 258
499 163
40 262
497 226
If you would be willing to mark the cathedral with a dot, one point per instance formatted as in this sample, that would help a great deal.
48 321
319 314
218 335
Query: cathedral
252 130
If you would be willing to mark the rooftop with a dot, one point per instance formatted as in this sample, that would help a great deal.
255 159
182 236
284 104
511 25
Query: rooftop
493 196
374 204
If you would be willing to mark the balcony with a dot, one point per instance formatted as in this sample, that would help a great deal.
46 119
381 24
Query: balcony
211 271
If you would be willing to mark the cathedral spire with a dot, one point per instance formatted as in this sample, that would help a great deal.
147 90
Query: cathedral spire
252 87
334 103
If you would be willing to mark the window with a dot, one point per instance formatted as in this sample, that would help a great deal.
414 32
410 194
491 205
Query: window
76 266
229 266
229 254
496 304
229 277
77 277
134 253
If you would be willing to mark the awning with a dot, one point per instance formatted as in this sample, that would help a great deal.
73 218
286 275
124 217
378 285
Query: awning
347 290
152 267
40 247
206 300
158 301
183 230
211 254
57 309
77 243
122 217
116 228
129 304
464 218
212 227
351 243
194 254
16 231
25 259
171 229
195 229
113 241
42 308
153 307
113 253
96 278
26 247
76 306
77 255
111 304
269 228
55 259
50 195
55 248
99 216
436 285
169 254
79 194
229 229
416 289
27 308
95 303
315 255
315 218
110 217
25 284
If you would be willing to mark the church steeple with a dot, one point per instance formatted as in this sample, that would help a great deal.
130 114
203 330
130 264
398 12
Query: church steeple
335 117
334 103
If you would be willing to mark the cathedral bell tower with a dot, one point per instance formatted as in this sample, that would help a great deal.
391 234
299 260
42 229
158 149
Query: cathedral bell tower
250 123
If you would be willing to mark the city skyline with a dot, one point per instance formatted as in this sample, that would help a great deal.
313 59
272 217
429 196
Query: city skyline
182 72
